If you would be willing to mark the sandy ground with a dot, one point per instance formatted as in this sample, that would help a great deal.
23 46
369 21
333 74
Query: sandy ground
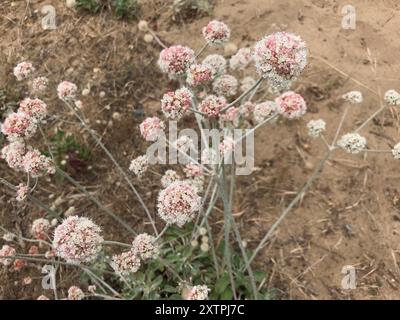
350 216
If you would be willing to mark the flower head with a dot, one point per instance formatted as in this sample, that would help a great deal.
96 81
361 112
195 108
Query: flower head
37 164
22 192
316 127
23 70
212 105
396 151
125 263
6 251
175 60
145 247
175 104
75 293
19 125
151 128
241 59
169 177
352 143
199 75
353 97
196 293
216 62
227 146
40 228
35 108
247 83
225 85
14 153
247 108
264 110
291 105
139 165
392 97
39 84
178 203
193 170
216 32
67 91
231 116
77 240
280 58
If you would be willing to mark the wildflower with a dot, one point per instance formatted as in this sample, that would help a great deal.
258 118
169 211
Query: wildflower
78 104
151 128
217 64
291 105
227 146
183 144
194 243
178 203
40 228
396 151
353 97
19 264
42 297
75 293
175 104
316 127
264 110
241 59
145 247
247 108
209 156
13 153
216 32
193 170
139 165
19 125
392 97
232 116
196 293
352 143
22 192
35 108
204 247
176 60
77 240
212 105
169 177
23 70
143 25
6 251
280 58
247 83
197 183
37 164
199 74
125 263
8 236
39 84
225 85
67 91
202 231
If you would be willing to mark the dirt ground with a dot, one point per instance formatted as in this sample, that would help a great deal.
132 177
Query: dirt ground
351 216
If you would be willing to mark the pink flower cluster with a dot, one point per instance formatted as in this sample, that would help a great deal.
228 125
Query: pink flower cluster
35 108
264 110
22 192
231 116
196 293
193 170
291 105
139 165
6 251
212 105
151 128
169 177
280 58
178 203
67 91
23 70
37 164
39 84
216 62
175 104
175 60
225 85
145 247
77 240
19 125
75 293
125 263
241 59
40 228
199 74
13 154
216 32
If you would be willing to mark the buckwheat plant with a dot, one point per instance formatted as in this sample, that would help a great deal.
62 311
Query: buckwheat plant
178 257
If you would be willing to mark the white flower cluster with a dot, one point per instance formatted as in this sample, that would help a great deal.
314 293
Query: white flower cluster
352 143
316 127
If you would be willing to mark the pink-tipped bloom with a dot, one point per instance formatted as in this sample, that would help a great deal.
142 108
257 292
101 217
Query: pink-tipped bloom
247 83
19 125
125 263
178 203
6 251
217 63
23 70
40 228
19 264
291 105
225 85
247 108
241 59
75 293
39 84
196 293
67 91
212 105
37 164
77 240
199 75
169 177
13 153
264 110
176 60
175 104
151 128
139 165
231 116
22 192
35 108
227 146
145 247
280 58
193 170
216 32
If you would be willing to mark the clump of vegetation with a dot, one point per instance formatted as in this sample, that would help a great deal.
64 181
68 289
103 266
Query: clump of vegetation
121 8
189 9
